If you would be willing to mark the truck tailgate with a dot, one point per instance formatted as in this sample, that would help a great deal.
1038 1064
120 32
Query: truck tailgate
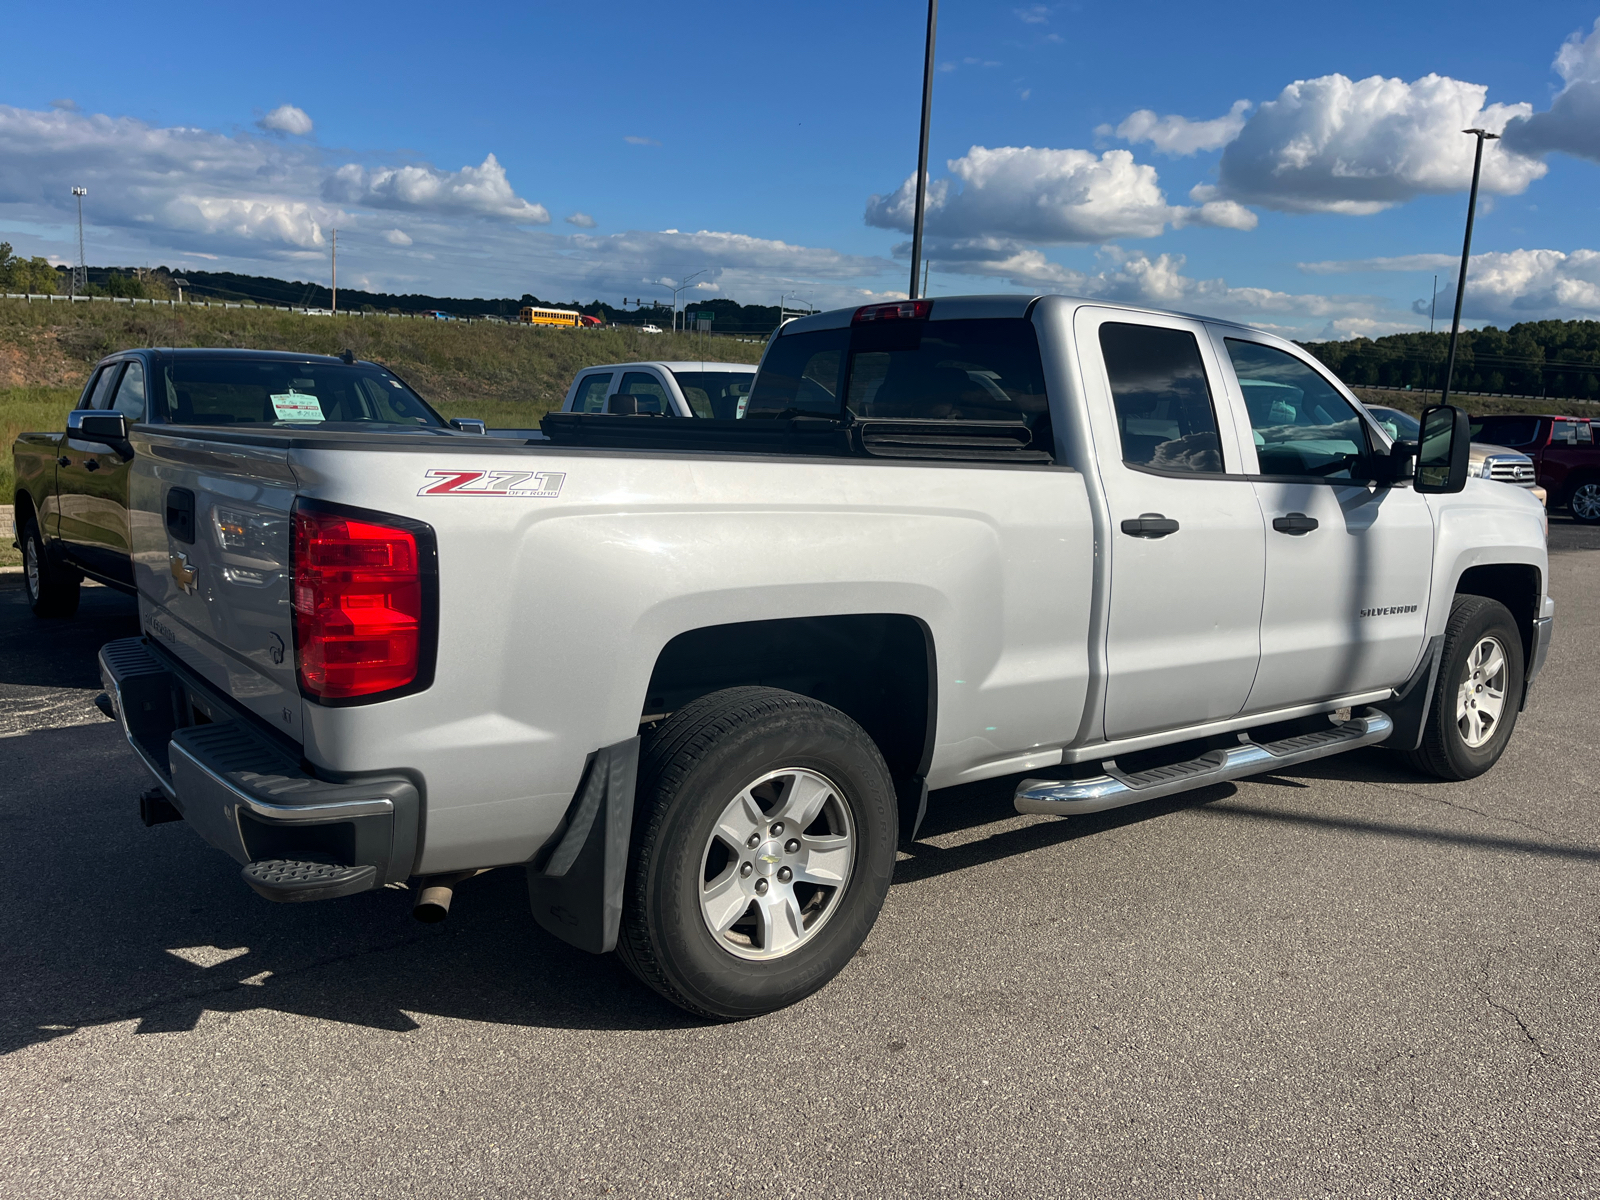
212 545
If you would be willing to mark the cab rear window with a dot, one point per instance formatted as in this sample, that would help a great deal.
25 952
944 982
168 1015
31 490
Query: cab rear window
920 370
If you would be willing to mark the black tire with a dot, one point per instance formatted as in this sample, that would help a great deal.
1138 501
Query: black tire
1583 502
701 759
52 589
1445 751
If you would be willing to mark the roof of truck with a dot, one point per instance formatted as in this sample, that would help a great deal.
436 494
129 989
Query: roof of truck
232 352
1005 304
693 365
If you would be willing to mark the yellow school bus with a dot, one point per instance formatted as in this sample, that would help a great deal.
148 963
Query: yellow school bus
550 316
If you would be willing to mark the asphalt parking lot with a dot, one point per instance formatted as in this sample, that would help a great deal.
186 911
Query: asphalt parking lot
1345 980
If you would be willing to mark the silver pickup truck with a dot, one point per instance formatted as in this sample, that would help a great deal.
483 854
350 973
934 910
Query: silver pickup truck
696 678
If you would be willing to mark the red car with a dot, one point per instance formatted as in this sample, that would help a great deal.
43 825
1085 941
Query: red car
1564 452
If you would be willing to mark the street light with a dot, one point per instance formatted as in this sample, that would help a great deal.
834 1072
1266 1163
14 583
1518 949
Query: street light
80 273
687 280
1483 135
922 146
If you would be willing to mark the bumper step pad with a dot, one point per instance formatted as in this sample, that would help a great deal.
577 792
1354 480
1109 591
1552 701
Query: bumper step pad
287 881
1115 788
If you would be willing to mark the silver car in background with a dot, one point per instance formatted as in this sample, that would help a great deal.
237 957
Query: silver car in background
1499 463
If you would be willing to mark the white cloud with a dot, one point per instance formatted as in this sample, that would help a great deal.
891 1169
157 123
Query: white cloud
635 140
397 237
1047 196
65 105
286 118
1155 280
1572 124
1033 14
582 220
1179 136
481 191
1400 262
1527 285
1334 144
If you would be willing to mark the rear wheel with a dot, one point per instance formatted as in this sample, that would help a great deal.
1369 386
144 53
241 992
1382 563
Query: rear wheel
1479 690
764 841
1584 503
52 590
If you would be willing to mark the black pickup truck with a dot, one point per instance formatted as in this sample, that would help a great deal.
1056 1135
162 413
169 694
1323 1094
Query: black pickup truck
72 487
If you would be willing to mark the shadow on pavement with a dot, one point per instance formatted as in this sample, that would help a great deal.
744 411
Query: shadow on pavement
50 653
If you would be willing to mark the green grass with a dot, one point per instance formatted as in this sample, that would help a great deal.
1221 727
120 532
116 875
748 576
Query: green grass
449 363
1414 402
22 410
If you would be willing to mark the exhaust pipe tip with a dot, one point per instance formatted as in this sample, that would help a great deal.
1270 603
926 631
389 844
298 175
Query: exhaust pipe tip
433 904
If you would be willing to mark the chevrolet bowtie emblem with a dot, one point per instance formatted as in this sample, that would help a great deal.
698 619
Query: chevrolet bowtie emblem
183 572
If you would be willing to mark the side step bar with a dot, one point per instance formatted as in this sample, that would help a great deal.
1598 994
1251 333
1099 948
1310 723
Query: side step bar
1115 788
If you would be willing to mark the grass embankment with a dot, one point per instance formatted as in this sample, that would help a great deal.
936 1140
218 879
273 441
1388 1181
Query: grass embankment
1414 402
507 375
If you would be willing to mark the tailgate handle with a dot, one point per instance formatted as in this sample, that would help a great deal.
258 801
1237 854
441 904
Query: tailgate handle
1149 525
180 514
1294 523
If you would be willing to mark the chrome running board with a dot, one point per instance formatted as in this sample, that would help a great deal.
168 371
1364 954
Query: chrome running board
1068 797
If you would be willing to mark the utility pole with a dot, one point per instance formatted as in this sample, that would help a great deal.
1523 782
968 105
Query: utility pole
1433 303
80 273
922 146
1482 135
336 272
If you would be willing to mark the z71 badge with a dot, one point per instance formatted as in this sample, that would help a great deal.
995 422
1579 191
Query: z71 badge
529 485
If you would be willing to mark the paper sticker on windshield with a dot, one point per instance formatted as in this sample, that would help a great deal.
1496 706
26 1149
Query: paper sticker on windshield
296 406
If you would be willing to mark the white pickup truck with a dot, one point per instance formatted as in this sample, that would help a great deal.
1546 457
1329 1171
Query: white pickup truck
667 389
697 677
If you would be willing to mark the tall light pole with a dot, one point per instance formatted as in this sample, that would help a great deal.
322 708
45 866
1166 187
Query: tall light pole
687 280
1483 135
922 146
336 272
80 273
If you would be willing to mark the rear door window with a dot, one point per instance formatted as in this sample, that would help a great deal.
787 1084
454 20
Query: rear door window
592 393
1165 415
648 391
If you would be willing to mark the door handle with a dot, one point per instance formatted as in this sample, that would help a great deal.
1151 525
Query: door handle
91 464
63 461
1149 525
1295 524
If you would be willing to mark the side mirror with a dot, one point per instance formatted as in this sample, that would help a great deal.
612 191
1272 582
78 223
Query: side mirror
87 425
623 406
1398 464
1444 450
469 425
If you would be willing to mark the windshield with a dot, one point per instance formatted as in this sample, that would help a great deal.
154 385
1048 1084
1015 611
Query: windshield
1401 427
967 370
1505 431
714 394
246 391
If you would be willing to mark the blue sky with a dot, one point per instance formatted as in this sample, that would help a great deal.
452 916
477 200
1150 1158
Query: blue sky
581 151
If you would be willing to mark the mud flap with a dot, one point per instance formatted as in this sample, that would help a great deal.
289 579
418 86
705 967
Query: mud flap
575 882
1409 709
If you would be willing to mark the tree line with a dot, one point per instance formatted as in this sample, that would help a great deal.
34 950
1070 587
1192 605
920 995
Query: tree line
1535 358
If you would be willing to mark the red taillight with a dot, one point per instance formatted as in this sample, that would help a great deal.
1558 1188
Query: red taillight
358 605
905 310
